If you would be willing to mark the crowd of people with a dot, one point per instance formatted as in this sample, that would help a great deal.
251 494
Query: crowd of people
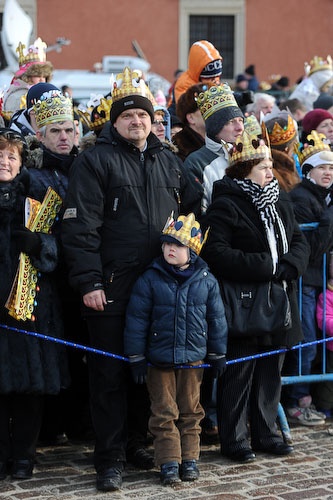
124 218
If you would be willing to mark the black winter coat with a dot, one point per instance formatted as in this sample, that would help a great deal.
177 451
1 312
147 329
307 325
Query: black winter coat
50 169
117 204
237 248
310 205
28 364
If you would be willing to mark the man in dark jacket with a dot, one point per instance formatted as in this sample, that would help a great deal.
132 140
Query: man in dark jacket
120 193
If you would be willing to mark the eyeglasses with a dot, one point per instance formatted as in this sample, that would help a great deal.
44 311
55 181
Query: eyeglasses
160 122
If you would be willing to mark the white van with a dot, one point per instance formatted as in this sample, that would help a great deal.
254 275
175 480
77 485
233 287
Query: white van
85 83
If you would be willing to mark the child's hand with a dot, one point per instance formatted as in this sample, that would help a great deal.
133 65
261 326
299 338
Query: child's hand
138 364
218 364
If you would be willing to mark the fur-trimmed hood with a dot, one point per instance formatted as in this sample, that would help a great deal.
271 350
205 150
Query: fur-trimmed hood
34 153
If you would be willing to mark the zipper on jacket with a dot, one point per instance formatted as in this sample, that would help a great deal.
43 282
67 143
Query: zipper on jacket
177 196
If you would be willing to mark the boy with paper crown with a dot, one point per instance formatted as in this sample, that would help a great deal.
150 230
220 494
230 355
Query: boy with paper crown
176 317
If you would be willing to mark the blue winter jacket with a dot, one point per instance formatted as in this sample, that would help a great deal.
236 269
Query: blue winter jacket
173 323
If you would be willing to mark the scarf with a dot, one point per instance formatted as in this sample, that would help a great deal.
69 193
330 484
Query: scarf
177 273
264 199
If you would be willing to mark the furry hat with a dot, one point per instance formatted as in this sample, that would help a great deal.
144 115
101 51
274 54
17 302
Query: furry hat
44 69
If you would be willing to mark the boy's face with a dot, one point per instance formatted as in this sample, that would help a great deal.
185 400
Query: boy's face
176 255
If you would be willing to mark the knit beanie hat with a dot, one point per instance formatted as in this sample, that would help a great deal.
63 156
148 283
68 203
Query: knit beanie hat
324 101
36 91
131 102
129 91
217 121
241 78
313 118
218 105
250 70
212 69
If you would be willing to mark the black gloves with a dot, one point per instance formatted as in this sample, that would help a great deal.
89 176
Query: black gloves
27 241
286 272
218 364
138 364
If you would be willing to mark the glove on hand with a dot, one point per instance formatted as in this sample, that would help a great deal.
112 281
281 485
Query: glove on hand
138 366
218 364
27 241
286 272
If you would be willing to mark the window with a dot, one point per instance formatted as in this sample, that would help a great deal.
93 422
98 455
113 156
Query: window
219 30
222 22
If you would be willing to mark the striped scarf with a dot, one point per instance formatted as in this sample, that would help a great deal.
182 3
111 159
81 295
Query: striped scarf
264 199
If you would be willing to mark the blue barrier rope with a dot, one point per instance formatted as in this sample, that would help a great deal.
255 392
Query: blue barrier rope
93 350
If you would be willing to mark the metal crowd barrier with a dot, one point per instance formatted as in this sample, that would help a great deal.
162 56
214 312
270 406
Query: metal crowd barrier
321 342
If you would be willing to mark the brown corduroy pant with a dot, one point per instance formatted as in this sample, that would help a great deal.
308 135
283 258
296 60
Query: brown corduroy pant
176 413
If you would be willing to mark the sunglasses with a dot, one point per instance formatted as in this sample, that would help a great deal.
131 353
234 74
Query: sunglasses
160 122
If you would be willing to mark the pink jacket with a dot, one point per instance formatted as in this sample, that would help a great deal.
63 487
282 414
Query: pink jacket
329 315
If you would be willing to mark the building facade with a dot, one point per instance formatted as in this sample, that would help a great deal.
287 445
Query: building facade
277 37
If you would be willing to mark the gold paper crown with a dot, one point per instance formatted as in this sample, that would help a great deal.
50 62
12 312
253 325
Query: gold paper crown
318 64
35 53
97 114
252 125
250 147
214 99
186 230
280 135
129 83
53 109
315 144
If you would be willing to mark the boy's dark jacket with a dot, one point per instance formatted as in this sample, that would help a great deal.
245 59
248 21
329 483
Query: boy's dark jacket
172 323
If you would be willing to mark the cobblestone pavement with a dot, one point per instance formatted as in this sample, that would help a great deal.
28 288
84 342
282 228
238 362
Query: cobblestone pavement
66 473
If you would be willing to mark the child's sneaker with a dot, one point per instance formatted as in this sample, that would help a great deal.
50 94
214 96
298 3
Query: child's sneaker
305 416
189 470
170 473
306 402
327 413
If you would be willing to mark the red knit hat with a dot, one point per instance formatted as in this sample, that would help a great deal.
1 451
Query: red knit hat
313 118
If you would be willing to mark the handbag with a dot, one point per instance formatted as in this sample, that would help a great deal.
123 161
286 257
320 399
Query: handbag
254 309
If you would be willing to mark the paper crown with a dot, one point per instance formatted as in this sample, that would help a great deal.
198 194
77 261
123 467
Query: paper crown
214 99
250 147
278 134
129 83
97 112
316 143
35 53
186 230
318 64
252 125
53 109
